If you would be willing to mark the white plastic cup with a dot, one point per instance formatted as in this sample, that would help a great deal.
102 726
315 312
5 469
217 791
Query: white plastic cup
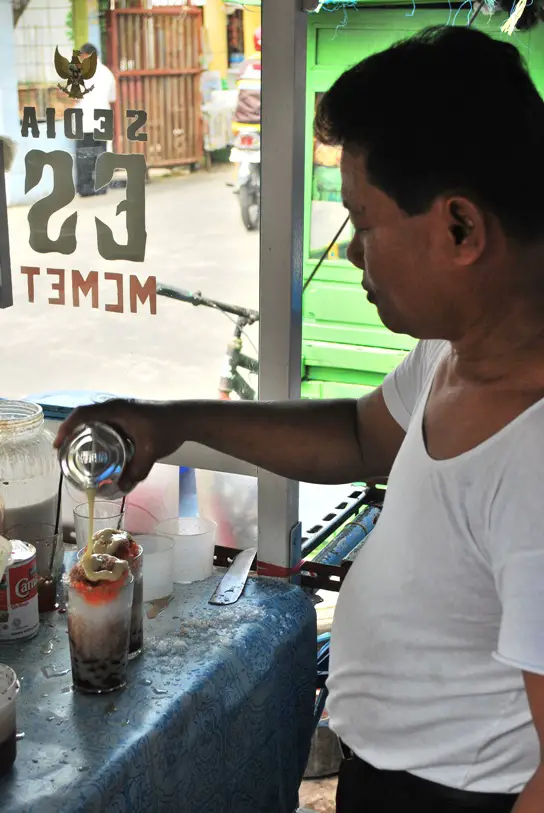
194 541
158 565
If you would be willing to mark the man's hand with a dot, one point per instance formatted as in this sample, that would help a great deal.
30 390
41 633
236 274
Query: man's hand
146 425
532 798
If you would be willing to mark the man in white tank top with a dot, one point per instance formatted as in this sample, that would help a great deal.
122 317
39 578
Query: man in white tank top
437 659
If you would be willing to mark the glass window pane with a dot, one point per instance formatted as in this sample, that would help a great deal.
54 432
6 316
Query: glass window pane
128 188
327 212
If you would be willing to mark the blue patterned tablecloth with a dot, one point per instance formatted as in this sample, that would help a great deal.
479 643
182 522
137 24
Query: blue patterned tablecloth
216 718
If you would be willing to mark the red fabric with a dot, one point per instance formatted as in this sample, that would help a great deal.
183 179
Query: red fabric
277 571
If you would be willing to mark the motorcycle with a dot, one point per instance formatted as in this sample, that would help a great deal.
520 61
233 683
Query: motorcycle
246 152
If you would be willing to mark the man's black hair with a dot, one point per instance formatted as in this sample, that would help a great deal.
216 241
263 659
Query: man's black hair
88 49
449 110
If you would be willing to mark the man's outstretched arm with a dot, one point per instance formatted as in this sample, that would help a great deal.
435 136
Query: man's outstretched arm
337 441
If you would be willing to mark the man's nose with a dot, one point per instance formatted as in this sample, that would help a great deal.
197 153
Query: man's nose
355 253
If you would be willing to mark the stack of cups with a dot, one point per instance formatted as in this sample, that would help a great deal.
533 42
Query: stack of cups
194 541
158 566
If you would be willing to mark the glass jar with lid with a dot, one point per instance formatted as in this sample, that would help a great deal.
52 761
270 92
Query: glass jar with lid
29 470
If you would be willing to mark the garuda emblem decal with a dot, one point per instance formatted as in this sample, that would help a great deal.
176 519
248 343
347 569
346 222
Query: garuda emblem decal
76 72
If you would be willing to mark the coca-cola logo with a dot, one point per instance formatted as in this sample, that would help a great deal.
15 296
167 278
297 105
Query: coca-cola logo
25 587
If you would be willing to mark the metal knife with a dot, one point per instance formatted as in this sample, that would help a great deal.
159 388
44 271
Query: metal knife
232 584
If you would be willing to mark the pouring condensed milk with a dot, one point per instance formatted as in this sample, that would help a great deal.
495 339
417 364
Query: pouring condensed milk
100 585
92 459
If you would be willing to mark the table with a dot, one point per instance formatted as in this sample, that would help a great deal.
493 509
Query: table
216 717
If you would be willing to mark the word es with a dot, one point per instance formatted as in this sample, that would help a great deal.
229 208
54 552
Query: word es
73 124
64 193
70 287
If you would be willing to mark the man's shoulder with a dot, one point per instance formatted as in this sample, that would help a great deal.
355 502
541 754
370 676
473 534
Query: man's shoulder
526 433
514 461
403 387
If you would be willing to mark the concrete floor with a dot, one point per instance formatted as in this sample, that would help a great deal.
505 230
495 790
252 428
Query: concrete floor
195 240
318 795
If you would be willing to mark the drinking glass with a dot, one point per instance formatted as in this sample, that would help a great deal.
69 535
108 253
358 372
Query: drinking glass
106 515
49 560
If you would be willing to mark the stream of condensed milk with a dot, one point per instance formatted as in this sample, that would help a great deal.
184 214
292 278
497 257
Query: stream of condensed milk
88 562
91 498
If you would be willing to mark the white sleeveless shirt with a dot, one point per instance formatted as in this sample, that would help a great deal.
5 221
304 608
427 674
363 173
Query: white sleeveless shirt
444 605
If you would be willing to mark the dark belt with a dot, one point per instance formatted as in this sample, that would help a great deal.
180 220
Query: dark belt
416 787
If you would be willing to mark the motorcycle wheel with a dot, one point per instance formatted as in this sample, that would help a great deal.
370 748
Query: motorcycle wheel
250 207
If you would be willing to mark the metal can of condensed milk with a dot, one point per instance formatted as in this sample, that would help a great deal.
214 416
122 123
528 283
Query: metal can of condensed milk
19 618
94 457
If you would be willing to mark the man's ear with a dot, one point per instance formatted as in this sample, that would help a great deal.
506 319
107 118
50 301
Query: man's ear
466 225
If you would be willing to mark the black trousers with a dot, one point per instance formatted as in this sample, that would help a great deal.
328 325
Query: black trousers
365 789
87 152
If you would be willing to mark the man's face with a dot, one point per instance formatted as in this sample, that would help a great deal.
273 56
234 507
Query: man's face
404 259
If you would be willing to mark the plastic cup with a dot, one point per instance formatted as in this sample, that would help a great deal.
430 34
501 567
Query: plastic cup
158 565
194 540
106 515
99 635
9 689
49 560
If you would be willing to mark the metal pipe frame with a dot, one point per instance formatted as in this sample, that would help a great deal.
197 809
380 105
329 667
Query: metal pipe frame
6 286
283 93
